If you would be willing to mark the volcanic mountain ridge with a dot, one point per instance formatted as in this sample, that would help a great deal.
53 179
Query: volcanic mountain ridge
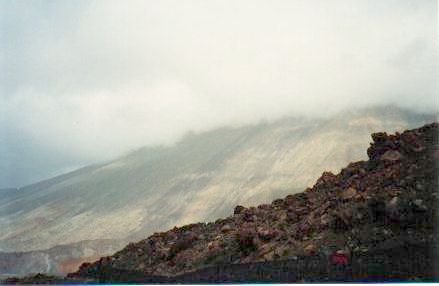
389 200
375 219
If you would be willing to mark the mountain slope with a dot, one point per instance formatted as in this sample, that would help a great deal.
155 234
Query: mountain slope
375 220
374 215
200 178
57 260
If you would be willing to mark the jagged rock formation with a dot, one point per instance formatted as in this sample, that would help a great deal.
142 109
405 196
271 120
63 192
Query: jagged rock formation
384 204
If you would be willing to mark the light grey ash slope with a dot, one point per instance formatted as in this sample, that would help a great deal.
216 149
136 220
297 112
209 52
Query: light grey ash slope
200 178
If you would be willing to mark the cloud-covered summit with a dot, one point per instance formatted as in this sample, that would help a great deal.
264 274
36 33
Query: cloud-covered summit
87 80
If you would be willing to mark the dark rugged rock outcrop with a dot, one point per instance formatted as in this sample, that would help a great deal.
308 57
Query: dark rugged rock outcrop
375 220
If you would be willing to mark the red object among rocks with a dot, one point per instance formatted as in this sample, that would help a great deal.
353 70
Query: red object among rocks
340 258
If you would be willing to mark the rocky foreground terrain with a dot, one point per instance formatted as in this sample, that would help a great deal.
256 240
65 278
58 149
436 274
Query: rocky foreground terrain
374 221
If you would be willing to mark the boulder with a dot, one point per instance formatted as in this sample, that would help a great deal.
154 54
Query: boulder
214 247
391 155
264 207
419 205
310 249
348 193
183 243
304 229
327 179
249 215
238 209
300 211
292 217
266 234
226 228
411 143
246 239
341 220
289 200
377 208
379 137
278 203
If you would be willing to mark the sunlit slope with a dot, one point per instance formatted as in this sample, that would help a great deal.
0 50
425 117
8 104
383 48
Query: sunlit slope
200 178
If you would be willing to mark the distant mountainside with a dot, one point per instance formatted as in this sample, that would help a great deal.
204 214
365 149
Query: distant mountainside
200 178
375 220
56 260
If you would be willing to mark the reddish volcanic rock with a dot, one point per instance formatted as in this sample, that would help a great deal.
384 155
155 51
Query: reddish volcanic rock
340 258
390 198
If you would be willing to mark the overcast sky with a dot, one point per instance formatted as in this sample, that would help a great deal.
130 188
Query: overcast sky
84 81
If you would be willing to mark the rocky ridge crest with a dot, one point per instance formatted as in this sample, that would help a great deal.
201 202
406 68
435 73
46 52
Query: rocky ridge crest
387 200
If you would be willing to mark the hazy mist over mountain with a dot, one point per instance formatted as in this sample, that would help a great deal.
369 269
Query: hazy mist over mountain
123 119
85 81
96 210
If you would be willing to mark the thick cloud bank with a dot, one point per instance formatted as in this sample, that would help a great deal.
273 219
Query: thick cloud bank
83 81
